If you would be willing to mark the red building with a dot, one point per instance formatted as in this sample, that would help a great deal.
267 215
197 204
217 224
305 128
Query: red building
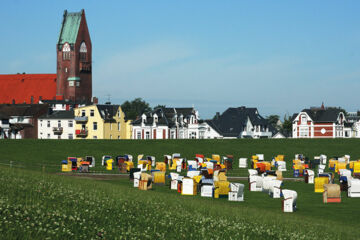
73 80
319 123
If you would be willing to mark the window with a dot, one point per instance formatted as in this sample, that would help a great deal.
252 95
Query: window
78 84
138 135
83 113
83 126
91 113
303 131
118 137
66 70
70 124
48 123
59 136
48 136
95 126
71 83
40 122
119 113
147 135
71 136
59 123
83 52
303 119
94 137
66 51
118 126
110 136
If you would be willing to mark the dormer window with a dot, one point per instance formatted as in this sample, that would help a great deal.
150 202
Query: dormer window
83 52
143 118
303 119
66 51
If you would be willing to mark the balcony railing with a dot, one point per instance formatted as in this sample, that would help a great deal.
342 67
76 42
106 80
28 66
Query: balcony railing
81 132
81 119
57 130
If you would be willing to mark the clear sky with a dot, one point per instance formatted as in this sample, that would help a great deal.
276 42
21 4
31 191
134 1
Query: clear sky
278 56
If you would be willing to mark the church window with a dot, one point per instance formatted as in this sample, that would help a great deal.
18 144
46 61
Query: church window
66 51
83 51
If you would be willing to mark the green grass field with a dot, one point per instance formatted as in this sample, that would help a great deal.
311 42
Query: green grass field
35 203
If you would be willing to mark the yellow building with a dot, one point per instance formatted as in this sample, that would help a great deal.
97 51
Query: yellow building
101 122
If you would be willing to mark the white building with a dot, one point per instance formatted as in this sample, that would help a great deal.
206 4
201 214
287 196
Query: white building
240 122
356 129
58 125
167 123
207 130
319 123
4 125
278 135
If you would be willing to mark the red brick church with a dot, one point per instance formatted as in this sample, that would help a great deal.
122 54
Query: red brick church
73 78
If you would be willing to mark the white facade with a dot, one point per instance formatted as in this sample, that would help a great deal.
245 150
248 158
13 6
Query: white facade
56 128
22 120
356 129
278 135
255 131
179 127
207 132
5 127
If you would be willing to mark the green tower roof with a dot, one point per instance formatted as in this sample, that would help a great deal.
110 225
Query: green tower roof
70 27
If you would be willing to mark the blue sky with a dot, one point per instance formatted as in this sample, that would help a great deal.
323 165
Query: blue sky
278 56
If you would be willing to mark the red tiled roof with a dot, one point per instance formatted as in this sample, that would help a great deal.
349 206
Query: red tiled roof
21 87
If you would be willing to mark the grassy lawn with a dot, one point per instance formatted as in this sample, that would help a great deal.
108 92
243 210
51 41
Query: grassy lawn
35 153
37 204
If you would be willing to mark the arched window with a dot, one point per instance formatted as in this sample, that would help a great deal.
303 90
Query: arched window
66 51
83 51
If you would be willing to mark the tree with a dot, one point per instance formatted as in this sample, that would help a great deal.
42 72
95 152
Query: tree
159 106
135 108
273 121
287 126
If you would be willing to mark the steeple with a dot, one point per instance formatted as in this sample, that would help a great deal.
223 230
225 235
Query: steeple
74 78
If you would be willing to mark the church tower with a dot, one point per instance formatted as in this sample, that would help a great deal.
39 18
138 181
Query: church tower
74 77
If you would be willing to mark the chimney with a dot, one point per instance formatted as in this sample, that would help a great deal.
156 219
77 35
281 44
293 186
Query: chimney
95 100
50 111
217 116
